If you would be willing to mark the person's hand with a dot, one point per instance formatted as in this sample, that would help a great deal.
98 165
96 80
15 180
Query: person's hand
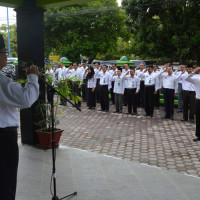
122 94
32 70
138 67
179 68
155 92
145 70
183 71
175 95
127 72
136 92
93 89
79 86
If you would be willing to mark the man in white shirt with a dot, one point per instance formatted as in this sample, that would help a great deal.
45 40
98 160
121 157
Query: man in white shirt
125 97
105 85
117 77
13 96
188 95
169 89
151 87
96 70
77 77
84 85
112 71
133 83
140 69
195 80
179 70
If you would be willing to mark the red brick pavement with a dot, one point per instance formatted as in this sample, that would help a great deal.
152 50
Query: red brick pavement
154 141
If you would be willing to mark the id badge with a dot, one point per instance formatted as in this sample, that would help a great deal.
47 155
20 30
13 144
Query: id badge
119 83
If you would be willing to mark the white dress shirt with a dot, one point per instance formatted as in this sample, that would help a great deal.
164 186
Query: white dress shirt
185 84
118 84
195 80
77 75
13 96
50 75
68 72
177 73
91 83
133 82
138 72
97 73
105 78
150 79
124 71
169 81
61 73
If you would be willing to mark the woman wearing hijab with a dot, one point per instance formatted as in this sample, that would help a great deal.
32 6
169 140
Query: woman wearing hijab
91 85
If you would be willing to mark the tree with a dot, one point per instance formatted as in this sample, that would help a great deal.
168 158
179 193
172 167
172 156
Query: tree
84 29
166 29
13 38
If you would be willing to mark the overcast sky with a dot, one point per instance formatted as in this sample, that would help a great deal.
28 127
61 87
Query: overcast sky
12 14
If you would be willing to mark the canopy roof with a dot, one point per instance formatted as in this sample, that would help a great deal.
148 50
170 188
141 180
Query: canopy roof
41 3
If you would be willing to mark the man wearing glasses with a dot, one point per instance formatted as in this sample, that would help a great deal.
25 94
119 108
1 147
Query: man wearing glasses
12 97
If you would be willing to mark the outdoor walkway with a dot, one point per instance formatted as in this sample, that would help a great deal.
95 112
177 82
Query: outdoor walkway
99 177
153 141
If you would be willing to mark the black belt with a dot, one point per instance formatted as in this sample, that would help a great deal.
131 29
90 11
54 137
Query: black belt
149 85
187 91
131 88
7 129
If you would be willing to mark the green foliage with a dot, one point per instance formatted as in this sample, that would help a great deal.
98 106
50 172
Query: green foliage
165 29
88 33
13 38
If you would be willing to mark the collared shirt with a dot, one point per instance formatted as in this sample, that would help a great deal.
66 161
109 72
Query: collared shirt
97 73
105 78
170 81
61 73
91 83
68 72
177 73
13 96
185 84
195 80
138 72
82 69
150 79
124 71
118 84
77 75
50 75
133 82
112 71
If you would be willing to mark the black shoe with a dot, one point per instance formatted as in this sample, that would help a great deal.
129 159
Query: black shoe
146 115
101 110
120 111
92 108
183 120
128 113
196 139
115 111
192 120
172 118
178 111
124 104
151 115
106 111
89 108
134 113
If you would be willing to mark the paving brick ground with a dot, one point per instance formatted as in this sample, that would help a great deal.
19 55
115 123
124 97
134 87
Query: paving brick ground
154 141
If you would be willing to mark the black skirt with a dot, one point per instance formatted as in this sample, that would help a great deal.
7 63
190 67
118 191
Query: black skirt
91 101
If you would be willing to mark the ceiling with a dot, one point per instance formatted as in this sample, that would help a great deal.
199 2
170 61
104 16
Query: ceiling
41 3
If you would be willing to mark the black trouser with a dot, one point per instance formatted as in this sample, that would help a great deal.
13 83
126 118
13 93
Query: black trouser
112 94
97 90
77 90
104 98
125 96
169 102
84 90
9 158
149 99
91 100
198 118
132 100
188 99
141 95
157 99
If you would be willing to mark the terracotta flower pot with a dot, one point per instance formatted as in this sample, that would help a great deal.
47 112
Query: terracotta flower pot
45 137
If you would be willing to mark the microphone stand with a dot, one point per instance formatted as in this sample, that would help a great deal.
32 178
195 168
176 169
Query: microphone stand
52 91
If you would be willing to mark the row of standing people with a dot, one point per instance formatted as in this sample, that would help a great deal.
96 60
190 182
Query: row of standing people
136 88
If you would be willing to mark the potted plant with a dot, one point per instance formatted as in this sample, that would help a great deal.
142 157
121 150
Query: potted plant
45 132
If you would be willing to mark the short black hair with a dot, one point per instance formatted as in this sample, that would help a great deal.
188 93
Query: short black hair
105 66
150 66
127 64
97 63
190 66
